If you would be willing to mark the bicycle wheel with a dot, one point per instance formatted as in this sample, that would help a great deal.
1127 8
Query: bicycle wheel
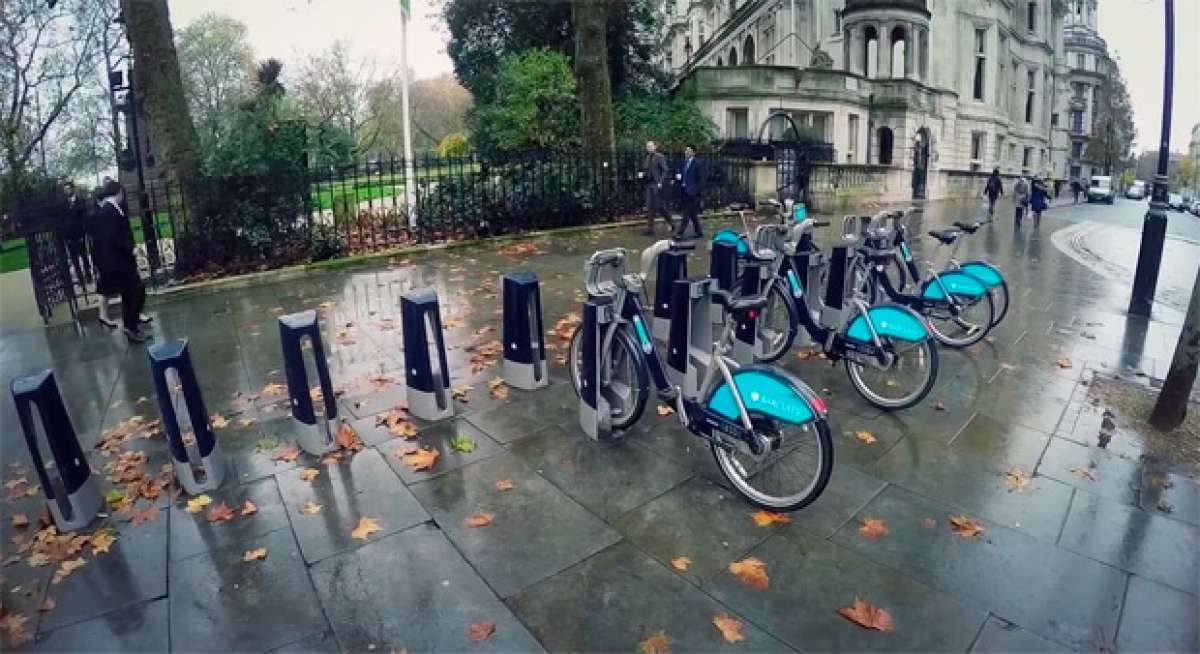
902 384
627 384
999 302
975 318
788 478
776 324
897 272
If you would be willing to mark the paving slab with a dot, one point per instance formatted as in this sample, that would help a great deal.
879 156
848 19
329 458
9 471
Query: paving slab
536 529
1158 618
324 643
1092 469
413 591
618 598
192 533
848 491
440 437
514 420
252 448
137 628
1000 637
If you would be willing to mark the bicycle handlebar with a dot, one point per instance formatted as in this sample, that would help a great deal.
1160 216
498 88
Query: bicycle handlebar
612 258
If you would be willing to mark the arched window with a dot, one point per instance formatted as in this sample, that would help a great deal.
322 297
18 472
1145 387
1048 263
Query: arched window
748 51
869 55
733 56
899 53
720 62
885 137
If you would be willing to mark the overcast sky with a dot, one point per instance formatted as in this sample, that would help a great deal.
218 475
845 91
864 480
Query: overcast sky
290 29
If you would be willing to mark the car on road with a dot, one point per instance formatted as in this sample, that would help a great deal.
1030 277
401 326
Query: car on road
1195 208
1175 202
1137 190
1100 189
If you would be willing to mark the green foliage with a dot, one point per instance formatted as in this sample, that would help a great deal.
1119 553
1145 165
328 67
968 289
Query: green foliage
533 105
331 144
454 145
1114 128
671 123
1127 178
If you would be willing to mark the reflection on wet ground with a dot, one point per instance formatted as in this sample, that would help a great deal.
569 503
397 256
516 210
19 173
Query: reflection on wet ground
1075 552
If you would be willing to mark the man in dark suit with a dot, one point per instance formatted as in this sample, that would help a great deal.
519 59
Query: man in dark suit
113 243
73 219
691 179
655 175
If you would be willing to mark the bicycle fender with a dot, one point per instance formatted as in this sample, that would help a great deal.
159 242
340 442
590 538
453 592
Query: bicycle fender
770 392
732 237
956 282
984 272
891 320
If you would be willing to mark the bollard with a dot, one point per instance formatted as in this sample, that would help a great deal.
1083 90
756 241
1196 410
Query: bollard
68 486
746 342
689 345
524 364
428 389
319 428
594 415
672 266
209 461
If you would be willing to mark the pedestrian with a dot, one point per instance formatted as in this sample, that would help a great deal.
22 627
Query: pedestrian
993 190
1020 199
73 234
691 179
1076 189
1038 200
116 261
654 174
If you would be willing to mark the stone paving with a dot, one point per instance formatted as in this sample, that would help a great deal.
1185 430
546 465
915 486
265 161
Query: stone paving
578 555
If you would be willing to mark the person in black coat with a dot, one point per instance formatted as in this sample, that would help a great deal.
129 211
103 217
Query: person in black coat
113 243
74 218
655 174
691 180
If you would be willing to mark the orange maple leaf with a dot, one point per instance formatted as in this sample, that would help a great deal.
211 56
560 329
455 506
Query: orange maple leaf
865 437
964 526
751 571
766 518
873 528
504 484
681 563
657 643
481 631
366 527
480 519
248 508
348 439
256 554
867 616
420 459
309 474
730 628
664 410
220 513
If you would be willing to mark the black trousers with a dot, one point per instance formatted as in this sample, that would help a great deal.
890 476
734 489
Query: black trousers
77 253
133 300
691 215
656 207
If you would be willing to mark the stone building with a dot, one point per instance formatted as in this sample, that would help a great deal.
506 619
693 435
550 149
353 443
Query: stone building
933 90
1086 68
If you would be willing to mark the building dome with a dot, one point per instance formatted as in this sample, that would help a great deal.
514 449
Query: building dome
855 6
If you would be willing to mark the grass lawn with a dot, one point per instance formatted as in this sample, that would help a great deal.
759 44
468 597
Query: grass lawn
14 256
374 187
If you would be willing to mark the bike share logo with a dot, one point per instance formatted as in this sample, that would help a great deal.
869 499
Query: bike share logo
796 290
647 346
907 254
785 409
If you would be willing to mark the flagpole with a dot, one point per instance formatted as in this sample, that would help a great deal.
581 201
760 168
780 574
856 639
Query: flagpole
410 177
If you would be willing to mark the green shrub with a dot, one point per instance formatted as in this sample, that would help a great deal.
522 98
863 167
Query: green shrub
454 144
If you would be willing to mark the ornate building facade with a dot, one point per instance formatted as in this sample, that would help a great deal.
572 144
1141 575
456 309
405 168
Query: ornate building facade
926 86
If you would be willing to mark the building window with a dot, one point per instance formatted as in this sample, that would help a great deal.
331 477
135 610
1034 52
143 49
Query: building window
720 62
1026 155
1012 152
748 51
871 45
732 56
1077 150
980 62
1031 17
852 138
977 146
1080 60
769 37
999 150
703 30
1054 120
1030 93
885 145
737 123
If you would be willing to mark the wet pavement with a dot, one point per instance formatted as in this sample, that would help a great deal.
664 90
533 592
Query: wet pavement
584 543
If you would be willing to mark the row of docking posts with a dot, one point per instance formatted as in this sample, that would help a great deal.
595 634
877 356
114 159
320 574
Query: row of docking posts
72 492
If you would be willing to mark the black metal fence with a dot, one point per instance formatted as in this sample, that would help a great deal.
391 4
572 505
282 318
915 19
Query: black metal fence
331 210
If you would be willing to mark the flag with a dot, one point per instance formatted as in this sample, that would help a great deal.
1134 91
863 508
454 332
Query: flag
406 8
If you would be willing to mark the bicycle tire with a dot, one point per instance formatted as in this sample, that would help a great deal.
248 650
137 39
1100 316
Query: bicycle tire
879 401
640 389
778 295
948 341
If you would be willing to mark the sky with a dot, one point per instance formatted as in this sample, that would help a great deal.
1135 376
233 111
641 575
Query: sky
291 29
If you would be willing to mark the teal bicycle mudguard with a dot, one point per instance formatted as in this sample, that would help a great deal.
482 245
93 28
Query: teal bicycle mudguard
800 213
735 238
956 282
984 272
767 391
891 320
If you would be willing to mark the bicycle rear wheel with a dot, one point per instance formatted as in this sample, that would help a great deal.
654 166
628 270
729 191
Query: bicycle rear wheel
975 318
626 387
787 479
905 382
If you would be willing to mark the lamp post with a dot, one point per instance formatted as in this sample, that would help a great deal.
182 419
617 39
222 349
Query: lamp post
1154 226
410 177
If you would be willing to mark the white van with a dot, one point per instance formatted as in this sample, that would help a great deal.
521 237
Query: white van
1137 190
1100 189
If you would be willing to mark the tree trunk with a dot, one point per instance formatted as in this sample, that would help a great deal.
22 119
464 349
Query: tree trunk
590 19
158 92
1172 404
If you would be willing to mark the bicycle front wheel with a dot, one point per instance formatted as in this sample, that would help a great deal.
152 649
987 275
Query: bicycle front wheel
626 385
787 479
973 321
776 324
905 382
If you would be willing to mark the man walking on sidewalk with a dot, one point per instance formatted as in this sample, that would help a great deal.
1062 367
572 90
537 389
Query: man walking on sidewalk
1020 199
993 190
73 234
691 178
114 257
655 176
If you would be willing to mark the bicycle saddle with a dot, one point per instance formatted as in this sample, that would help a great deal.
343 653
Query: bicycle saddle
946 236
970 229
738 304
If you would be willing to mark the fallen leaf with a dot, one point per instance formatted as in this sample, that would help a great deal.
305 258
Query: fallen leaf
1017 479
289 451
256 554
66 568
657 643
481 631
420 459
867 616
504 484
20 520
1083 473
730 628
766 518
47 605
101 541
144 516
348 439
873 528
964 526
481 519
865 437
248 508
310 508
1063 362
751 571
497 389
462 444
13 624
218 421
273 389
366 527
459 392
665 410
197 503
309 474
681 563
220 513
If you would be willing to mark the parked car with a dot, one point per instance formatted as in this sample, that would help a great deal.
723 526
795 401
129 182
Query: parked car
1100 189
1137 190
1175 202
1195 208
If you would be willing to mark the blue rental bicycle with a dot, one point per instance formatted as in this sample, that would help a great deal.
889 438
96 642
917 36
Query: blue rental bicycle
767 430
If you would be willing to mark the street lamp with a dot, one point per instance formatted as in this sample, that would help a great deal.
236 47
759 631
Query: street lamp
1154 227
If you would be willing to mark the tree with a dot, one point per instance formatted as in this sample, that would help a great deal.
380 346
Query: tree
591 73
439 107
1171 407
159 94
334 88
1113 125
48 52
216 62
1186 173
454 145
671 123
534 105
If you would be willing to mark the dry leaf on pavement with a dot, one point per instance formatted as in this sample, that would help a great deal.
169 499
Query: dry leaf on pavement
459 392
309 474
964 526
751 571
1083 473
497 388
730 628
504 484
20 520
665 410
481 631
101 541
286 452
873 528
142 517
197 503
865 437
1017 479
481 519
256 554
765 518
220 513
1063 362
657 643
13 625
867 616
348 439
248 508
310 508
218 421
273 389
420 459
681 563
366 527
66 568
47 605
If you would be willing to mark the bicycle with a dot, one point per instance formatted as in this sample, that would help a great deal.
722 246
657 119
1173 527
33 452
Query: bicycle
767 430
886 349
